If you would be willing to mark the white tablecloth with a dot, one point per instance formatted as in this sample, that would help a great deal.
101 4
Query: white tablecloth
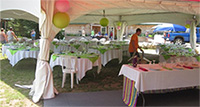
83 65
19 55
4 48
157 80
108 55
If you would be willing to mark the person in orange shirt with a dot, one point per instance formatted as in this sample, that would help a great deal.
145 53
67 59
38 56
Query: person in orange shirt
133 45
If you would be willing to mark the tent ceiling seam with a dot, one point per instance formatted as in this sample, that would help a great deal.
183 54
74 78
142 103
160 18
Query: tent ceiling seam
132 14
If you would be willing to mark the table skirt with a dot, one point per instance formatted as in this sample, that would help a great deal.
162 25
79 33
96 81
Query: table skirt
130 93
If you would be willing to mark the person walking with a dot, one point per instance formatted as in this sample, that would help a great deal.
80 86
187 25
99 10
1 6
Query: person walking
33 34
83 32
11 35
133 45
3 37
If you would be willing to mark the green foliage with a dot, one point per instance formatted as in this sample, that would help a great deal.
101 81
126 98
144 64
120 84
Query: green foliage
23 27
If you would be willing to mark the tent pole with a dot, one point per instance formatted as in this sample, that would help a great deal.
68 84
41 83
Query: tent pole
193 36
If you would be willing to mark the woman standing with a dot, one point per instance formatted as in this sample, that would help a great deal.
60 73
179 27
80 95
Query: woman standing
11 35
3 37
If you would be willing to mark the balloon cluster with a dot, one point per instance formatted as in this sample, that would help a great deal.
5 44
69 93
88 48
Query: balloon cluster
61 19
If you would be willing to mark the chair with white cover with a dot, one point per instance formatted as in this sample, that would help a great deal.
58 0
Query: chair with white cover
102 40
95 39
68 64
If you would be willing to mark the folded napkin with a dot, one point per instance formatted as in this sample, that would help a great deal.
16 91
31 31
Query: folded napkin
143 69
76 46
55 44
92 58
86 42
34 49
13 51
166 57
102 51
36 43
198 58
54 57
167 68
188 67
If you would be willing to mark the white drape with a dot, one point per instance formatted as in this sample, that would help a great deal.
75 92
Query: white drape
43 83
120 31
193 36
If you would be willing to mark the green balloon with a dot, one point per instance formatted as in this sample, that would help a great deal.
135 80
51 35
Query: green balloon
104 22
119 23
61 20
187 25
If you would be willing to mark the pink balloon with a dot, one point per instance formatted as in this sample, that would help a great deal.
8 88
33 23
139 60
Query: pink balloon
62 5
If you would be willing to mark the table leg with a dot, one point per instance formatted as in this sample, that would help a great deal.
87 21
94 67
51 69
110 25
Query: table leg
143 99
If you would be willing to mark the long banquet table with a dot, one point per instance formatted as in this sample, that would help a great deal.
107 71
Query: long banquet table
109 55
83 65
137 80
19 55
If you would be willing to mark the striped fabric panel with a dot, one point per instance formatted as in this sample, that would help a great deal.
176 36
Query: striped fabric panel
129 92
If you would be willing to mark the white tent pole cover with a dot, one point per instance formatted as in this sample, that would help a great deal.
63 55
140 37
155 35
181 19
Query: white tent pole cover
193 36
43 83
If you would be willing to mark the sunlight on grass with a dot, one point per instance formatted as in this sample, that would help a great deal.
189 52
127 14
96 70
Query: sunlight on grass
12 98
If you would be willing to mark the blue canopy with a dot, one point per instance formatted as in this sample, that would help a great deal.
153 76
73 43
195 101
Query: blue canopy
169 27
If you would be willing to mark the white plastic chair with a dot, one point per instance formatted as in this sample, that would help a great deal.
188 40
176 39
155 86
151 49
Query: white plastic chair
69 66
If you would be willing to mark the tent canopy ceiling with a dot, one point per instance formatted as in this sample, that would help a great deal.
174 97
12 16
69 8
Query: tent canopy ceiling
91 11
134 16
134 11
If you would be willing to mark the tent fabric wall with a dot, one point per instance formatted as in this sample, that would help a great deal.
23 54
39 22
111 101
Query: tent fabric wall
193 36
20 9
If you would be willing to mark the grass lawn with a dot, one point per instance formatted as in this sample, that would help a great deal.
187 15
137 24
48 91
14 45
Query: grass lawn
23 73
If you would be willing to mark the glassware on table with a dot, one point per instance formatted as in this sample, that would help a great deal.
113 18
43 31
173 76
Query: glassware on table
150 62
162 64
154 61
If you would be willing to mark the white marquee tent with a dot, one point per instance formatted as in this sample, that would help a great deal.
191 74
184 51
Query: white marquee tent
91 11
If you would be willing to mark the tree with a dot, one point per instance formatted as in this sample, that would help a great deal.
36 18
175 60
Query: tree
23 27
